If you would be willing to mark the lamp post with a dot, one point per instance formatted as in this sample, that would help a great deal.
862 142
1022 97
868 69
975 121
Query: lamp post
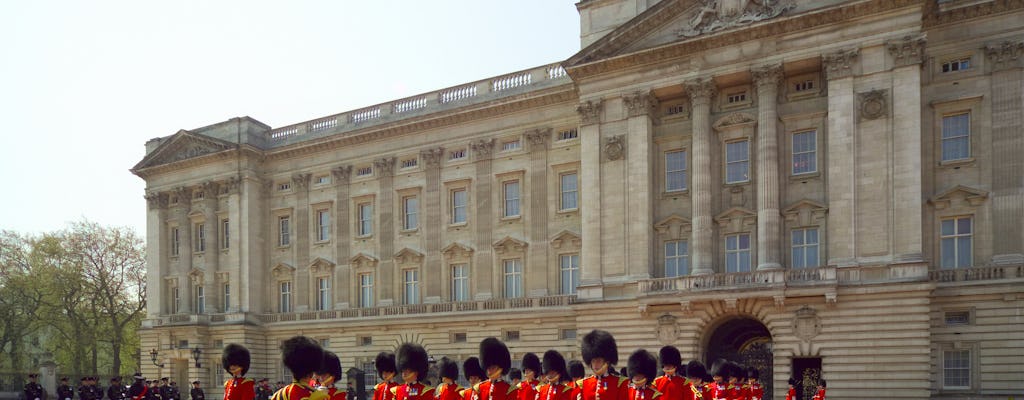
153 355
196 353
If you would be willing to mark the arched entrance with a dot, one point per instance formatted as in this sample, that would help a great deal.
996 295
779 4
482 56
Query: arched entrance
746 341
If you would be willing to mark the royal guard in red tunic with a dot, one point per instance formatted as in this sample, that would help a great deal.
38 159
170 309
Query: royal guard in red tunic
386 371
754 389
641 368
697 376
496 361
235 360
601 354
474 374
556 377
448 389
302 356
737 376
328 374
531 369
719 386
791 393
820 395
672 385
576 372
411 360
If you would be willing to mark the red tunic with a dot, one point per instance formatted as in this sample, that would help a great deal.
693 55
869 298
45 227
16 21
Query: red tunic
496 390
413 391
383 391
643 393
239 389
820 395
557 391
608 387
673 387
734 391
755 391
446 391
698 392
718 390
334 393
791 395
468 394
299 391
528 390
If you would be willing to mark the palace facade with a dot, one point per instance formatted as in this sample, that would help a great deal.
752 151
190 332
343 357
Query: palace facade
820 189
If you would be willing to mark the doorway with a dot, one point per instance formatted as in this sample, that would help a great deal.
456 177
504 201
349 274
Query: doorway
746 341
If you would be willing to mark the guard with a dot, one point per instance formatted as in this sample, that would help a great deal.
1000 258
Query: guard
672 385
386 371
64 391
496 361
601 353
556 377
641 368
474 373
531 369
329 373
33 390
411 360
448 389
235 360
302 356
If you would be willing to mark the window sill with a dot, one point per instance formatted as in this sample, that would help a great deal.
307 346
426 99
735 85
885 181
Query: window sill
568 211
364 237
458 225
805 176
676 193
511 218
322 242
956 164
284 246
739 183
409 231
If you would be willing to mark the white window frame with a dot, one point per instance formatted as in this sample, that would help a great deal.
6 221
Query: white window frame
803 247
512 278
323 225
200 293
364 219
511 203
323 293
737 253
965 136
410 214
568 273
958 64
739 163
675 258
944 367
284 298
681 171
459 212
365 281
460 282
411 286
200 242
573 192
812 153
284 230
956 237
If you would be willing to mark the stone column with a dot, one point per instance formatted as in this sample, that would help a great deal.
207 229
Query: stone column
253 253
157 243
769 220
211 254
589 201
390 280
184 249
234 253
343 237
641 108
537 262
907 174
430 211
841 179
301 240
483 221
701 250
1007 150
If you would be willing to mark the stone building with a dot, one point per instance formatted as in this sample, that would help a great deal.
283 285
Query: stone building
819 188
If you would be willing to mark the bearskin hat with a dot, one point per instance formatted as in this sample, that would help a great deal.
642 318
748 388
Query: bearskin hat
494 353
642 362
821 382
576 369
720 368
554 362
793 381
694 369
471 367
385 362
330 365
411 356
301 355
737 370
515 374
669 355
531 362
599 343
449 369
235 354
752 373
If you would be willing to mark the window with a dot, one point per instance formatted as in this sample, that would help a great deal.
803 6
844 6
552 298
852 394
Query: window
675 171
513 278
365 341
323 179
511 145
459 337
284 229
568 134
737 253
323 225
227 296
569 267
805 151
569 189
200 299
956 369
410 212
567 334
365 290
364 171
458 208
457 154
200 244
511 336
176 301
411 286
225 234
199 195
959 64
175 241
805 248
285 300
511 192
956 136
676 109
283 186
737 162
737 97
460 282
803 85
409 162
365 227
955 318
677 259
323 293
956 242
325 343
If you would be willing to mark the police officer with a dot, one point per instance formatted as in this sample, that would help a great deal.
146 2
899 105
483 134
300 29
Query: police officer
165 389
33 390
64 391
116 390
197 392
137 391
175 392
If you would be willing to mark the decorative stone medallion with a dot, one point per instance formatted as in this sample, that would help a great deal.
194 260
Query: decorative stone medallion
668 329
807 324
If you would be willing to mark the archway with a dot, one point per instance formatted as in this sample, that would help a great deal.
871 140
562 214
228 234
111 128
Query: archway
746 341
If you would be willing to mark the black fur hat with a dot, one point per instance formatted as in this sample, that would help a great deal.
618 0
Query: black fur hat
471 367
643 363
385 362
235 354
532 362
669 355
736 370
720 368
553 361
694 369
821 382
301 355
793 381
494 353
331 365
514 374
413 357
599 343
752 373
576 369
449 369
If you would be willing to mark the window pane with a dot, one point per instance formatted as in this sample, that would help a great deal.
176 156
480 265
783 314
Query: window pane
948 253
963 226
675 170
963 252
568 187
511 199
744 241
811 254
798 237
947 227
459 206
730 242
744 262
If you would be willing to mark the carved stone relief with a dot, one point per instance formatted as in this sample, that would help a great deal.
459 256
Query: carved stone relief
590 111
1004 55
716 15
907 51
806 324
840 63
614 147
667 329
873 104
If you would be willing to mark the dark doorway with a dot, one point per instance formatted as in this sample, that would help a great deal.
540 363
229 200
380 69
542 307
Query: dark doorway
746 341
807 371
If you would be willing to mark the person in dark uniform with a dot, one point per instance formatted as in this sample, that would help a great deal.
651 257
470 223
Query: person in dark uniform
83 389
263 391
64 391
33 390
116 390
165 388
175 391
152 391
97 389
197 392
137 391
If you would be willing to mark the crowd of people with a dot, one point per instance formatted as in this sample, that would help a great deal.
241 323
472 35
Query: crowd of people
404 376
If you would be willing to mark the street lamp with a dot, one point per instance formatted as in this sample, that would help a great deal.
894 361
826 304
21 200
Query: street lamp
196 353
152 355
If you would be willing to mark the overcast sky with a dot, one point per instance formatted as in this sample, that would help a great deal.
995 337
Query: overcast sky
84 84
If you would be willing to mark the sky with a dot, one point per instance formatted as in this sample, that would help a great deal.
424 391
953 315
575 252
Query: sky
84 84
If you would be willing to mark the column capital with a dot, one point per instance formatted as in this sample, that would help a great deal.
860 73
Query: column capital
1004 55
908 50
839 64
700 90
233 184
590 111
539 138
301 180
767 75
384 166
432 157
184 194
640 103
156 200
483 148
210 189
342 173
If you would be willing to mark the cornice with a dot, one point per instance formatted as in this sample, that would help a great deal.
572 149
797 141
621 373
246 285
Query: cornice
245 150
934 17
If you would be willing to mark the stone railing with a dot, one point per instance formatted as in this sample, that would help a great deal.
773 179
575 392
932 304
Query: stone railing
416 309
976 274
439 100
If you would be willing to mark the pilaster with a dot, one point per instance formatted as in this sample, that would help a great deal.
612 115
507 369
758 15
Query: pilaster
156 254
390 282
184 195
769 219
301 241
700 92
908 240
841 182
431 226
211 254
343 240
1007 149
639 210
537 218
483 220
590 199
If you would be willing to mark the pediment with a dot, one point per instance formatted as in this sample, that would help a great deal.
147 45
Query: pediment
321 266
508 245
734 120
959 196
805 212
736 219
363 260
181 146
408 256
674 226
282 271
195 275
456 249
566 238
